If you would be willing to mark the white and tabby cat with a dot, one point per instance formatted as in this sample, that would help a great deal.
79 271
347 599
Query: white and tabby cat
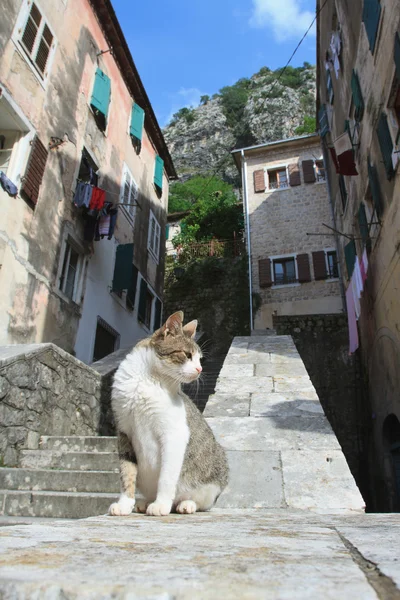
165 446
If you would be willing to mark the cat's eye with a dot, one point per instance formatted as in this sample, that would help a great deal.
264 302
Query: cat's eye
188 355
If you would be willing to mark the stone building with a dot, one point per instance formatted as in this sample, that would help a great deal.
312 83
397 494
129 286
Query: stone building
359 114
293 252
74 110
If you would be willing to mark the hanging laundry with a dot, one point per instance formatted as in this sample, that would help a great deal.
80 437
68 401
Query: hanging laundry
364 266
7 185
345 155
356 299
97 200
358 279
113 221
352 322
89 230
83 194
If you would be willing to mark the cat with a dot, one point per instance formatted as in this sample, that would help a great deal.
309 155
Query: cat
165 445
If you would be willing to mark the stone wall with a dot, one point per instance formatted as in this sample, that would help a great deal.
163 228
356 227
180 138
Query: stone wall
322 342
44 390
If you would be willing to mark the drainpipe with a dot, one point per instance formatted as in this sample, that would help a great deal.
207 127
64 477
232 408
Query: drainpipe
247 225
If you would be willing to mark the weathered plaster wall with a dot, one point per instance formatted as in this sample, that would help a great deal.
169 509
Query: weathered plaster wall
44 391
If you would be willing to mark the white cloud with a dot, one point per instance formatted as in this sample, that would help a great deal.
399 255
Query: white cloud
286 18
189 97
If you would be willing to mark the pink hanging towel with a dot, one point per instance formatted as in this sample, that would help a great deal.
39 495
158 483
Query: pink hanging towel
364 265
352 322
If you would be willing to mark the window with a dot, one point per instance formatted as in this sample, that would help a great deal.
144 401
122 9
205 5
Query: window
145 304
320 170
15 137
153 242
158 173
35 38
343 191
129 195
136 126
284 270
71 270
357 98
371 16
101 98
106 340
277 179
386 145
88 169
332 264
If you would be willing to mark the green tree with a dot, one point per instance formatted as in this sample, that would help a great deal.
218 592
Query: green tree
309 126
183 195
185 113
204 99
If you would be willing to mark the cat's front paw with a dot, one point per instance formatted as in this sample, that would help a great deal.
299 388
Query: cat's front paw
159 509
186 507
122 508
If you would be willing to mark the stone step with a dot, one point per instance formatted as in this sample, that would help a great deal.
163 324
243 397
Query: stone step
59 505
59 481
75 443
76 461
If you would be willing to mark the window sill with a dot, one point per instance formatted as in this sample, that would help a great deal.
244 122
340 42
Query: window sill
285 189
284 285
153 256
76 307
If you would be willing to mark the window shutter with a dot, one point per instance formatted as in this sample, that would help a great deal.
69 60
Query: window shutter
31 28
397 54
308 171
303 268
350 257
357 97
294 175
137 121
375 189
34 170
123 268
166 232
259 181
131 291
157 315
319 263
264 272
386 145
142 301
101 93
363 225
371 16
158 172
44 49
323 121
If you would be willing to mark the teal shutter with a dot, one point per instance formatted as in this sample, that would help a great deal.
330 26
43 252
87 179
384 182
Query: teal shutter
323 121
350 256
157 315
375 189
101 93
142 301
363 224
397 54
386 145
158 172
123 267
357 97
166 232
131 292
371 16
137 121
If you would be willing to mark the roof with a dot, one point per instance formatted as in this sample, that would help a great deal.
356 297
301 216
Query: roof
112 31
288 141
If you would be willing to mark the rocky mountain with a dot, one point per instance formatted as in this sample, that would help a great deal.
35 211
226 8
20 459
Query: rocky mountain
268 106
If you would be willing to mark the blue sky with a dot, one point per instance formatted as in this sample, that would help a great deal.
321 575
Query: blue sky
185 49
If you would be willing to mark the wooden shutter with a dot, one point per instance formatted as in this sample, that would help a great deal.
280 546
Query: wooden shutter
375 189
371 16
350 256
397 54
264 272
319 263
357 97
123 268
308 171
157 315
259 181
34 171
158 172
142 301
131 291
137 121
386 145
294 175
31 28
323 121
303 268
101 93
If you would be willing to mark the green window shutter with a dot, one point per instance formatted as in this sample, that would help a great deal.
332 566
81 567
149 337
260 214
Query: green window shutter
131 292
157 316
375 189
137 121
323 121
123 267
142 301
397 54
166 232
371 16
101 93
350 256
386 145
158 172
357 97
363 224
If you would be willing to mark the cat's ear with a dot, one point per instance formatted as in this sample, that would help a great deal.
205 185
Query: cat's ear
173 324
190 329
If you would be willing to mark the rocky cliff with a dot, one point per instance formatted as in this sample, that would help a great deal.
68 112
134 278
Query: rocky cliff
268 106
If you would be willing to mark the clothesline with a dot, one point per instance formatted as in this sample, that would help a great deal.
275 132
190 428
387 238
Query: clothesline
112 193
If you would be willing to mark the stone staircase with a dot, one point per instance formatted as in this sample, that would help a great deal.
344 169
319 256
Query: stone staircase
282 451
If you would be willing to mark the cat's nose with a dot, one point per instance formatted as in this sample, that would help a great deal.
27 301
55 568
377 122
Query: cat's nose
199 369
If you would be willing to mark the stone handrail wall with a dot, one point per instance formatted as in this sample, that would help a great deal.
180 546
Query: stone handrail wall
44 391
